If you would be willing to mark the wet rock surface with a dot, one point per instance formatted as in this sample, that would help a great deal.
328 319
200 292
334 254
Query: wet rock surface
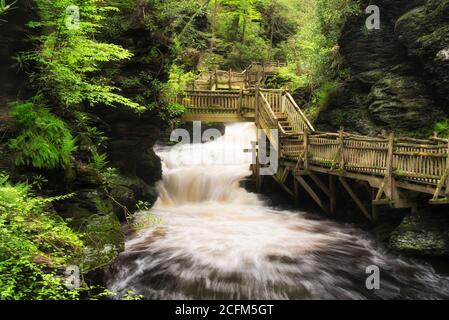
398 74
424 234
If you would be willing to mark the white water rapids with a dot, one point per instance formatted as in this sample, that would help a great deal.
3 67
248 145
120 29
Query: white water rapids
219 241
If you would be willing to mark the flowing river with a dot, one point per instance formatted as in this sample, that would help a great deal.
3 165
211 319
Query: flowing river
218 241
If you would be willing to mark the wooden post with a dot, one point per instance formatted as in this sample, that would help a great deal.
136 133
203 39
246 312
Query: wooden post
306 148
342 149
257 98
447 168
240 111
389 185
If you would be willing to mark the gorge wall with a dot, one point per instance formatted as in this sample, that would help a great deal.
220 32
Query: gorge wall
398 75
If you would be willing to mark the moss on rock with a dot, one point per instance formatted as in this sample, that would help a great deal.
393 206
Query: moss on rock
426 234
103 238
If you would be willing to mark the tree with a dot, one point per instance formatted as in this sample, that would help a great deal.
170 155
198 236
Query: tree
70 59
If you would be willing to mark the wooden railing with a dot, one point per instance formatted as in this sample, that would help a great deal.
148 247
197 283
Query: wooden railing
215 102
232 80
294 114
402 159
266 119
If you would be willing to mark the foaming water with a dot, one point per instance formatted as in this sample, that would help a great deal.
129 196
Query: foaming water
218 241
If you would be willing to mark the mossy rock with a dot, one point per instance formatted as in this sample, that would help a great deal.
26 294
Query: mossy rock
402 102
104 240
425 234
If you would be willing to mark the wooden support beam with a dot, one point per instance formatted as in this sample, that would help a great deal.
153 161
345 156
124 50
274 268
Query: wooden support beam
356 199
320 184
284 174
283 186
389 179
341 149
442 183
312 193
382 202
306 148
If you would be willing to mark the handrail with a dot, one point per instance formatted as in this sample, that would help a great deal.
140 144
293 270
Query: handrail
298 109
271 113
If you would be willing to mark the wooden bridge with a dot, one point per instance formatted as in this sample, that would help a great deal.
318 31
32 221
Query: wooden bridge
255 74
397 171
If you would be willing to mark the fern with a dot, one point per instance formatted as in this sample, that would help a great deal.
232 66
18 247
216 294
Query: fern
44 141
99 161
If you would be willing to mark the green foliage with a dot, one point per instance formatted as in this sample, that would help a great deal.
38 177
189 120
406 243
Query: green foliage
288 78
319 99
44 141
69 57
179 81
303 33
99 161
131 296
5 8
143 205
38 181
110 177
145 220
442 128
174 110
89 138
312 51
35 243
103 239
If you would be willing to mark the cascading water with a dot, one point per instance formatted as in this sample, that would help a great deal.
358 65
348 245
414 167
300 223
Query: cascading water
218 241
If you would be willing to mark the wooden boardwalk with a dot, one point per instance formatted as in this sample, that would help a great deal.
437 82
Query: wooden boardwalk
255 74
397 171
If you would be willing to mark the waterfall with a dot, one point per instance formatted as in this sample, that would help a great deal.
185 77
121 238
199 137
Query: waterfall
216 240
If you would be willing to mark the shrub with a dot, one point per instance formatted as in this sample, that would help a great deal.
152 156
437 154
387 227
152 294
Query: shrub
35 243
44 141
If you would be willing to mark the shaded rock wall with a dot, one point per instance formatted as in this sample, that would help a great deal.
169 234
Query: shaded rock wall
398 74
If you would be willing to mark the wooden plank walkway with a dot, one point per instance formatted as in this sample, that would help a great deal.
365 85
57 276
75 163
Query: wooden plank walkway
388 165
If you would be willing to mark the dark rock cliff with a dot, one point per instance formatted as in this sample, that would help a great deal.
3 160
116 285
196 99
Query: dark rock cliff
398 74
